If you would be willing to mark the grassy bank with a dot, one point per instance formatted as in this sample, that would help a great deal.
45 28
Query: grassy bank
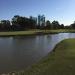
35 32
59 62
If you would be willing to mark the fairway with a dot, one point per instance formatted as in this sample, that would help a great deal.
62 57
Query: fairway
35 32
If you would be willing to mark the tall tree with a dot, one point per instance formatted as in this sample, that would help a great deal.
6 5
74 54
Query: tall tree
22 23
5 25
73 25
48 24
62 26
55 25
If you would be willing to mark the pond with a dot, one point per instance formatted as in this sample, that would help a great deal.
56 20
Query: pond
17 53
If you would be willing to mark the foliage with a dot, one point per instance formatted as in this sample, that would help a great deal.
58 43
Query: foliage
48 24
20 23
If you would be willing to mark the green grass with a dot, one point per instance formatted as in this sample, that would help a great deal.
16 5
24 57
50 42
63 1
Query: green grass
34 32
59 62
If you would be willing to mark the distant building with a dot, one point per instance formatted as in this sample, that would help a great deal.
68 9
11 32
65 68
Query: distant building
41 20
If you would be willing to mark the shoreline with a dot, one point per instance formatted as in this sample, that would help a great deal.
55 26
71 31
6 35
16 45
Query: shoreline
34 32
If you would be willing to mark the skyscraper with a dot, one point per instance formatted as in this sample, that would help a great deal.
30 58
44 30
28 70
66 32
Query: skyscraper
41 20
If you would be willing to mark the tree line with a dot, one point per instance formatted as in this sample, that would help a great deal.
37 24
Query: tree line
19 23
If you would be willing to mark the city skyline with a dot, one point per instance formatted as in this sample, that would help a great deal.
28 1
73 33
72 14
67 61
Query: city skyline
60 10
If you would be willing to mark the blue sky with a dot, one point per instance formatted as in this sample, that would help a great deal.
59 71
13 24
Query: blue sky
61 10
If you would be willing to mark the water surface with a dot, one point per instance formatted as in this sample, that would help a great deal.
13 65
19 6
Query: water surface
17 53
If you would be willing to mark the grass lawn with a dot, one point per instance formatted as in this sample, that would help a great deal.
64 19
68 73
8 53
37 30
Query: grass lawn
59 62
34 32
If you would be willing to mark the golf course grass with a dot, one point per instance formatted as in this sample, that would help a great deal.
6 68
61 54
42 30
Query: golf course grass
35 32
59 62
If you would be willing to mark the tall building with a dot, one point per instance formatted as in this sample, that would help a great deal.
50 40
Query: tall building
41 20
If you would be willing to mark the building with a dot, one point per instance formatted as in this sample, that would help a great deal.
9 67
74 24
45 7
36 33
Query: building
41 20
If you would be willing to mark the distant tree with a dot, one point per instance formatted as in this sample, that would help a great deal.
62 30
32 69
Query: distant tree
48 24
42 26
32 23
73 25
22 23
38 27
15 19
0 27
67 27
55 25
18 22
15 25
62 26
5 25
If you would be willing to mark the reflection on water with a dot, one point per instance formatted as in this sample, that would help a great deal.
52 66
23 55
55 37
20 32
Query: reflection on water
17 53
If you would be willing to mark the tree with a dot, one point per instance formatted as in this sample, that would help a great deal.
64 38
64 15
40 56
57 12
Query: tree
73 25
19 23
15 22
55 25
22 23
62 26
48 24
32 23
5 25
67 27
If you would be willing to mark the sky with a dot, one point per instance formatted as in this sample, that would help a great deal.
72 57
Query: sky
60 10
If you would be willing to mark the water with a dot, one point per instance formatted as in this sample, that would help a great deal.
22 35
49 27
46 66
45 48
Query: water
17 53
